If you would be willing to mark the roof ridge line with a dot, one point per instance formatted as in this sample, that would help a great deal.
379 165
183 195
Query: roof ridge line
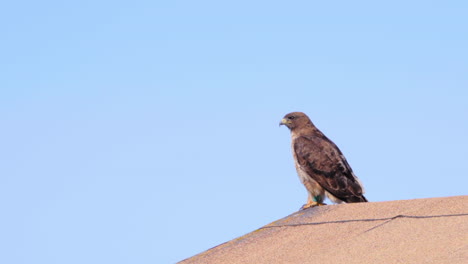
365 220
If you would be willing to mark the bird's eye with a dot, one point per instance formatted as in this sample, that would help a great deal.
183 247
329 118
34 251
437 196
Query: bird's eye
290 117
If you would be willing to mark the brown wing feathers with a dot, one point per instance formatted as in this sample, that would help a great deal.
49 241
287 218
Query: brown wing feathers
325 163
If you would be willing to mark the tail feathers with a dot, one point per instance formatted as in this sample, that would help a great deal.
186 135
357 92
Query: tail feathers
356 199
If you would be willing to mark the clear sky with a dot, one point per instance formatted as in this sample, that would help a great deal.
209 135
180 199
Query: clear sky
147 131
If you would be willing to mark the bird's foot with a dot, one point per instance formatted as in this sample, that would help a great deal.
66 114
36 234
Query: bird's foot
312 204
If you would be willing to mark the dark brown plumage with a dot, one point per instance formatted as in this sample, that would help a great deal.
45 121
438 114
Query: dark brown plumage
321 166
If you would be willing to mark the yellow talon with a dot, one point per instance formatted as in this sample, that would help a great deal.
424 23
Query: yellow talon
311 204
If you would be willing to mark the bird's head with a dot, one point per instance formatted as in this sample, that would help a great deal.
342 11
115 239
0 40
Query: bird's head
295 119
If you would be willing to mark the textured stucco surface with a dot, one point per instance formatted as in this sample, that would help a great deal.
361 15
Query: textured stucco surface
433 230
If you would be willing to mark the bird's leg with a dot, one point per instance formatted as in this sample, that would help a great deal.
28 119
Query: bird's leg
313 201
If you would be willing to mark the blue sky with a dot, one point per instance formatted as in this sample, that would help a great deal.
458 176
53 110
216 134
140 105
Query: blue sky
147 131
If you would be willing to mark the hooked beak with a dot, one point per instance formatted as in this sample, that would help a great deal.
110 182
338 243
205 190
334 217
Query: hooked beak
284 121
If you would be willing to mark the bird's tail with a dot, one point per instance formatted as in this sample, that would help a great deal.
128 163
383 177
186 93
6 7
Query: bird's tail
357 199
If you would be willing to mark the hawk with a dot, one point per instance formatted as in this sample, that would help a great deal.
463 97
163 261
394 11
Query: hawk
320 165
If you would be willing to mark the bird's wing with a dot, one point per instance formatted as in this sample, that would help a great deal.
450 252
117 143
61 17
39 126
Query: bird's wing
324 162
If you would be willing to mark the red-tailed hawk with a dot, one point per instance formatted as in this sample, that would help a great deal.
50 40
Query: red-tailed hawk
321 166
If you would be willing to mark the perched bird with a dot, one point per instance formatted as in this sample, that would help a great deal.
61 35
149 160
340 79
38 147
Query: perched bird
321 166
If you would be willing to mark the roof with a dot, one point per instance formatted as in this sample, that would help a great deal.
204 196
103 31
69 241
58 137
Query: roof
433 230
